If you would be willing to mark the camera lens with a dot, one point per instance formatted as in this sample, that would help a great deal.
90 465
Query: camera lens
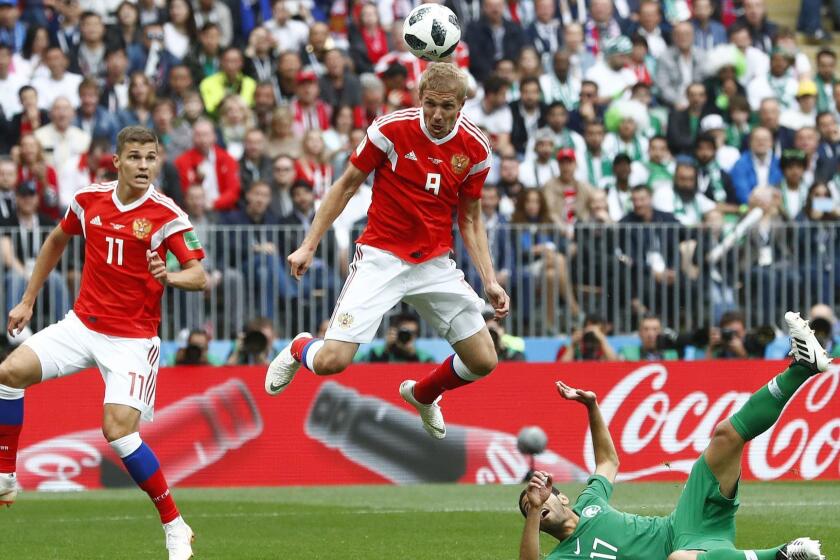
405 335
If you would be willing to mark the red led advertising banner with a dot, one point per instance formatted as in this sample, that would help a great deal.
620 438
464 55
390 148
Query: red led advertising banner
217 427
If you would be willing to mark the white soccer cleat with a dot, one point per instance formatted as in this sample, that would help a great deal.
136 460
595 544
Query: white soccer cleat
430 413
282 369
805 348
8 489
801 549
179 539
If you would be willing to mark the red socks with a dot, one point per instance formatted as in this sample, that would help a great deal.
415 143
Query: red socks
298 345
158 490
442 378
9 437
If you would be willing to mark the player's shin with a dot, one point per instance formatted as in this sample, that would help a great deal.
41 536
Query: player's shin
11 422
731 554
144 468
451 374
765 406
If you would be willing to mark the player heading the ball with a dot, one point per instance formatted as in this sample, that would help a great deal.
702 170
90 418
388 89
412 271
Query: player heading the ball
128 228
428 163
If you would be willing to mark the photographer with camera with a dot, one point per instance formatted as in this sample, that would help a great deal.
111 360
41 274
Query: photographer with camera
654 345
196 352
399 342
731 339
509 348
589 343
826 328
254 345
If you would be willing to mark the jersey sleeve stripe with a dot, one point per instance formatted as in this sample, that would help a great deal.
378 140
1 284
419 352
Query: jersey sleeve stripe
481 166
77 209
476 133
413 112
179 224
383 143
168 202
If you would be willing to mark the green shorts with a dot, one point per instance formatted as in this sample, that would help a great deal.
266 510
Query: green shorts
704 519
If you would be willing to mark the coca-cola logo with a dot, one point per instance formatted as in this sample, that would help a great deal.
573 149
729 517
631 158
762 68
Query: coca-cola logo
55 464
674 433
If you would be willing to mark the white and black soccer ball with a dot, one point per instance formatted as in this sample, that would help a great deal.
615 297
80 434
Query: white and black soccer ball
431 31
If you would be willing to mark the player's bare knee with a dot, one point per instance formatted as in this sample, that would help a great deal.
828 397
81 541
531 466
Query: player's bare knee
684 555
113 432
726 432
482 363
10 376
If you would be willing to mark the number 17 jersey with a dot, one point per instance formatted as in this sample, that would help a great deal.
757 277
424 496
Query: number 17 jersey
608 534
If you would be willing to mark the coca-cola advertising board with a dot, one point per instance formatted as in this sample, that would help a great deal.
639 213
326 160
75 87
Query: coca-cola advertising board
217 427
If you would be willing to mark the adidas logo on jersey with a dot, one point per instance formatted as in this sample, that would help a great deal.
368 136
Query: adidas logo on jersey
410 155
96 221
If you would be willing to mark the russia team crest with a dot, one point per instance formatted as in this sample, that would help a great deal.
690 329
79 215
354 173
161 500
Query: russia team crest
141 228
459 163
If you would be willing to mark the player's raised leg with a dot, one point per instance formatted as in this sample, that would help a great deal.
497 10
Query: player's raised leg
798 549
765 406
20 370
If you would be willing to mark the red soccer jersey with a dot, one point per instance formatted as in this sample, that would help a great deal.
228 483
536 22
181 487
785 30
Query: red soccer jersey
119 297
418 182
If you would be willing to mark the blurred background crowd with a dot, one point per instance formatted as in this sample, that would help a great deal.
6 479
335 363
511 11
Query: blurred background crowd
661 167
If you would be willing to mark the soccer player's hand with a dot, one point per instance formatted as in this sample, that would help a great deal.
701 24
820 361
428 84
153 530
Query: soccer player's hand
19 317
157 268
539 489
586 397
300 261
498 299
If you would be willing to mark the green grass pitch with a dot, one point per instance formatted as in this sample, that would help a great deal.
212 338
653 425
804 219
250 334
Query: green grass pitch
367 522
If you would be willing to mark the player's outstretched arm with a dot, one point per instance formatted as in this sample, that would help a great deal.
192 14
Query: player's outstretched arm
475 240
606 457
331 207
48 257
538 491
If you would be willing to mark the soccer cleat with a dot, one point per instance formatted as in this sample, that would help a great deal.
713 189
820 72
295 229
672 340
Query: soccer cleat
430 413
8 489
805 348
282 369
179 539
800 549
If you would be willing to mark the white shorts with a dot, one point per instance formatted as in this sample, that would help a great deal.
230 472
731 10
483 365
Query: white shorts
129 366
379 280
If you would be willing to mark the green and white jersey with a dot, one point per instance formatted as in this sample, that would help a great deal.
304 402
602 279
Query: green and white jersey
608 534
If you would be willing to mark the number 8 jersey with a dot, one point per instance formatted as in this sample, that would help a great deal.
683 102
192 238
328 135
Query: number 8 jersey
418 181
118 296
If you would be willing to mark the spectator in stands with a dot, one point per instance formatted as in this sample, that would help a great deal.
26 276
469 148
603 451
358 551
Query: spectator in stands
179 32
126 29
712 181
400 343
289 34
715 128
557 120
826 327
259 55
828 150
28 120
821 214
255 343
8 188
708 32
311 166
216 11
66 33
337 138
10 84
594 166
611 74
282 178
581 58
229 80
627 138
150 57
33 167
283 139
683 200
769 113
546 31
320 41
93 118
85 169
141 100
649 348
254 165
168 180
618 188
12 31
758 166
285 79
757 60
176 137
804 112
589 343
339 85
150 12
684 125
368 40
209 165
88 58
373 101
59 139
264 105
196 352
560 85
779 84
594 265
727 340
807 139
541 252
762 30
29 61
678 68
115 85
602 25
494 38
498 240
528 65
794 189
651 27
825 79
491 112
566 197
541 165
397 94
204 58
309 112
660 166
20 248
59 82
235 119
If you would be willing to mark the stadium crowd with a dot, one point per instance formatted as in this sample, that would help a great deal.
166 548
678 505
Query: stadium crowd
636 141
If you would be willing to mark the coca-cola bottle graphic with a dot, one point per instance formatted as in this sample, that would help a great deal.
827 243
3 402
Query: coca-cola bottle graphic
186 436
391 442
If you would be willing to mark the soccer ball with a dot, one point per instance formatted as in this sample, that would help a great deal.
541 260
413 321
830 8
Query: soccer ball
531 440
431 32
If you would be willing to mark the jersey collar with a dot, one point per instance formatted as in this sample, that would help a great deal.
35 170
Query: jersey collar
439 141
136 204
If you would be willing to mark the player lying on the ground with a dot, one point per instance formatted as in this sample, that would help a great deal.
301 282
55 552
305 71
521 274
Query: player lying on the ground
428 163
128 228
702 526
